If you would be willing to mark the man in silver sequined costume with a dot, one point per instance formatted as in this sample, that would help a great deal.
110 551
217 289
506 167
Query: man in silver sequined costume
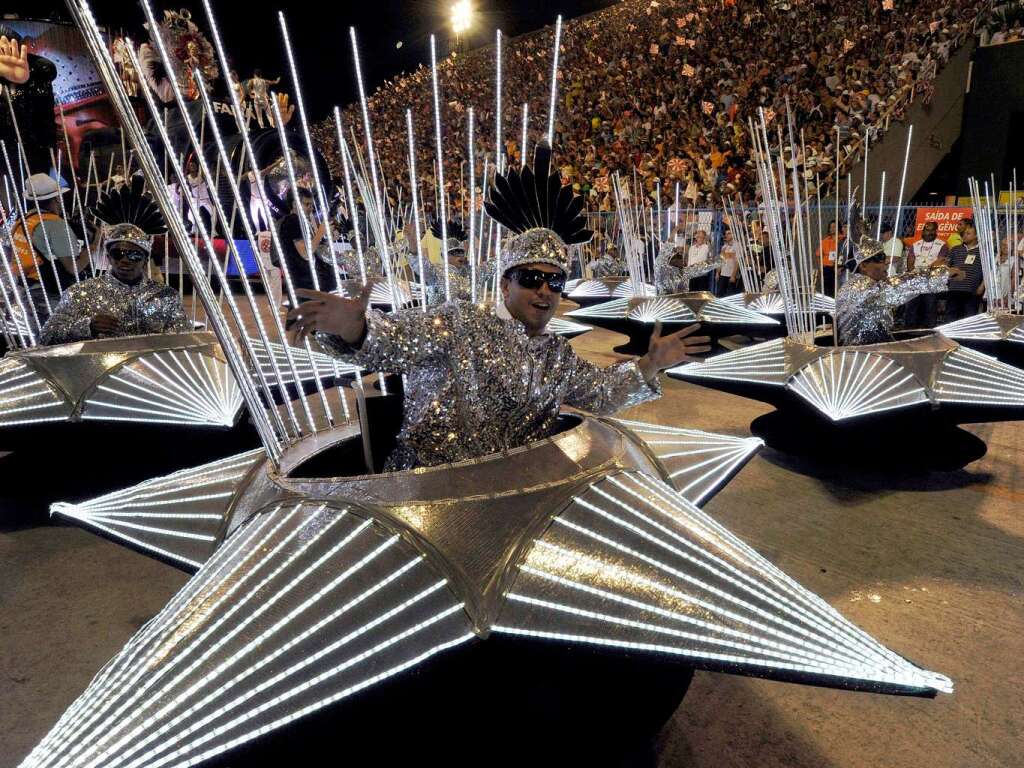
477 382
122 302
673 273
865 303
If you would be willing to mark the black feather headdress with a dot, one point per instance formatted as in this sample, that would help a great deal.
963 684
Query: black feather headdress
533 204
129 214
535 199
456 233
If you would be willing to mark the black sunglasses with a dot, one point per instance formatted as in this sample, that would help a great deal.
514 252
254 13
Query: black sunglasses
532 279
117 254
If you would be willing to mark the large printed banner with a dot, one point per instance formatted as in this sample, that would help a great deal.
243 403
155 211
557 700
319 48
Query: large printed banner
946 218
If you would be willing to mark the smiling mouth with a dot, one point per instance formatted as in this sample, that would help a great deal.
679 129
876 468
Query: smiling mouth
541 305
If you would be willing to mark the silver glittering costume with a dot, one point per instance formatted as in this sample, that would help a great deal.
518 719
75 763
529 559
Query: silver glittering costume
609 265
459 280
865 306
477 384
673 279
143 308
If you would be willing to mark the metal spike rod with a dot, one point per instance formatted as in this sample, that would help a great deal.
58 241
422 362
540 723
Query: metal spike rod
129 121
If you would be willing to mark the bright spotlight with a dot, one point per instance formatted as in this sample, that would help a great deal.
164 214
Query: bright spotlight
462 16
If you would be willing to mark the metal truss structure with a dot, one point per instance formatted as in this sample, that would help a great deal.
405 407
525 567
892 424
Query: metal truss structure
307 591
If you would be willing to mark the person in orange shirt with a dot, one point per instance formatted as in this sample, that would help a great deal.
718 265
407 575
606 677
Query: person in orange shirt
827 257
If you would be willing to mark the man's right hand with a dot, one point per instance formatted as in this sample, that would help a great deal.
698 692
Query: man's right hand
955 273
330 313
103 324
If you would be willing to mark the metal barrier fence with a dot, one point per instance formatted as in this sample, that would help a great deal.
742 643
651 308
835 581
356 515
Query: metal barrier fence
605 224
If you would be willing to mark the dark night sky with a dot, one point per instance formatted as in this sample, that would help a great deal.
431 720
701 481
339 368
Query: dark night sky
319 33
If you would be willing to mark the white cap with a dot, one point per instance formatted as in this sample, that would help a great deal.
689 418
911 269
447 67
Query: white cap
40 187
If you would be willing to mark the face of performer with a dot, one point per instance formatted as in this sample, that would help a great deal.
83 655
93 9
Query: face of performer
700 237
874 267
529 296
127 262
931 229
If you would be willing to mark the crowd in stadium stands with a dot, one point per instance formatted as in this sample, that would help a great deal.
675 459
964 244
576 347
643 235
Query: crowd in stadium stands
666 88
1005 24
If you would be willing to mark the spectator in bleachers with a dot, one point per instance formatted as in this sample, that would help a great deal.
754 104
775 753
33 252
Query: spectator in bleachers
666 90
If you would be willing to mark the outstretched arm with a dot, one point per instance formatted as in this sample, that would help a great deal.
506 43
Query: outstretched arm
396 342
902 288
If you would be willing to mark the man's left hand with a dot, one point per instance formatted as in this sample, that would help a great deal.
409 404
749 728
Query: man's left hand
13 61
671 350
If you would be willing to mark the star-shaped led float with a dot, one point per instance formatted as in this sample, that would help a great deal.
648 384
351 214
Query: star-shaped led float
315 582
999 334
307 591
843 383
167 378
635 317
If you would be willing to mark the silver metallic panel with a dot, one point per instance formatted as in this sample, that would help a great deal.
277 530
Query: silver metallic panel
698 463
847 383
305 605
631 564
179 517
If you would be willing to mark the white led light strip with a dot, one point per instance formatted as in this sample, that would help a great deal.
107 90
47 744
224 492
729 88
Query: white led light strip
589 289
190 501
982 327
661 310
669 555
768 303
721 312
970 377
626 290
89 717
763 363
560 327
322 365
26 398
698 462
845 384
174 386
405 615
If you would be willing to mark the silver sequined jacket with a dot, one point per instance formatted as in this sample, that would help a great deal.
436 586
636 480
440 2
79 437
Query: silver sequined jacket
146 307
477 384
865 306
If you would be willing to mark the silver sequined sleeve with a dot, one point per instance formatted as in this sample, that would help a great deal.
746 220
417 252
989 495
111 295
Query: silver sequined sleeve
605 391
396 342
70 319
900 289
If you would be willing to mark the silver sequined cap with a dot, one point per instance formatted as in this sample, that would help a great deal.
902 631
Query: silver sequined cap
535 246
127 233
